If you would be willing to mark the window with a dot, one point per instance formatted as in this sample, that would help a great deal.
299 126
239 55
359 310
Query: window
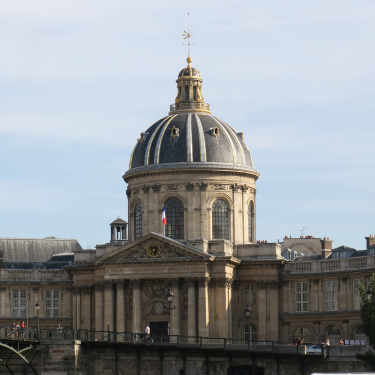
215 131
356 294
195 93
302 300
333 334
331 295
359 334
174 212
250 214
137 221
52 303
175 132
249 294
251 332
19 303
371 251
187 93
220 222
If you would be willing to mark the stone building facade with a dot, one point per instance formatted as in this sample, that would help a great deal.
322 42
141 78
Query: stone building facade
199 169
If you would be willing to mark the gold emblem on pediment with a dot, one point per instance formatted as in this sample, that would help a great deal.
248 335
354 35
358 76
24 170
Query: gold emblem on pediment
153 250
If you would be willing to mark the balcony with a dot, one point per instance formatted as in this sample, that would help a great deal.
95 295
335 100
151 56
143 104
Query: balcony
189 107
331 265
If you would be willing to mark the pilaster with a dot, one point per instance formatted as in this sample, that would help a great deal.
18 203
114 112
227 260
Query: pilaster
120 306
203 306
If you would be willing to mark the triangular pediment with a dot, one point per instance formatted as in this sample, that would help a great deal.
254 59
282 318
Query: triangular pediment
153 247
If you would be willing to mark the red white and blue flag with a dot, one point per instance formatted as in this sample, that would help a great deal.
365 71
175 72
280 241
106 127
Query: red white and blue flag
163 217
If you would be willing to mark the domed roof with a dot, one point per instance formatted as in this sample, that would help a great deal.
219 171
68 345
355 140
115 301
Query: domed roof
190 137
196 138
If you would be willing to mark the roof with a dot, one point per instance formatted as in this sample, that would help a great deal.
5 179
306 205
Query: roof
195 143
119 221
36 249
306 258
343 248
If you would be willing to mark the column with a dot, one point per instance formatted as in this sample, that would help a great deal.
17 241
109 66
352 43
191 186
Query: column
203 307
86 307
222 306
204 227
137 320
189 216
76 307
108 306
99 287
262 310
191 307
175 313
274 311
120 306
34 301
3 291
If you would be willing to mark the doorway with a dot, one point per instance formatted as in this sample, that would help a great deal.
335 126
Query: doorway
159 329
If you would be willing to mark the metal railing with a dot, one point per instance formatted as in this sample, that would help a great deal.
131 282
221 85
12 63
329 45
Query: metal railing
189 106
192 342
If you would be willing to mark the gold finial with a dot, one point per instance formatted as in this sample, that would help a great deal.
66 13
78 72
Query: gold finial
187 35
189 60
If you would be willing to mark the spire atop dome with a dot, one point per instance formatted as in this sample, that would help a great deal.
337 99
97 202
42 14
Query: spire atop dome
189 60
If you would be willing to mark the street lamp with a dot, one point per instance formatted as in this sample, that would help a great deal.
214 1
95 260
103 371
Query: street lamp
247 313
170 297
37 317
369 294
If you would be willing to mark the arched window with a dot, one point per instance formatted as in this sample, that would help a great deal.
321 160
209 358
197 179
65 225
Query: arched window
359 334
251 332
137 221
250 216
174 212
220 220
333 334
249 294
187 93
195 93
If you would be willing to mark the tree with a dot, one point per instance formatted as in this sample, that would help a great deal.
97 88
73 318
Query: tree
368 319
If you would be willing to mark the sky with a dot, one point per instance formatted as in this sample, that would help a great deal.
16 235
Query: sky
80 80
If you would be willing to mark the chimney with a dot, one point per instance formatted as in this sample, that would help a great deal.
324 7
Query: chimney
1 258
326 244
370 240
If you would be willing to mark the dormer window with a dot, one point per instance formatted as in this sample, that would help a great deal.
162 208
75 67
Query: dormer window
215 131
143 137
175 132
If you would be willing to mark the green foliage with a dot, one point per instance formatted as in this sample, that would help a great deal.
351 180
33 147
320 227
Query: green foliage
368 319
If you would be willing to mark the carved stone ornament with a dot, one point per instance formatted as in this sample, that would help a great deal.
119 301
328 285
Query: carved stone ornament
236 187
174 283
86 289
203 186
120 284
172 187
128 192
156 309
245 188
136 283
252 190
108 284
36 290
156 188
146 189
262 284
223 282
136 191
220 187
155 289
203 281
141 252
273 284
236 285
190 185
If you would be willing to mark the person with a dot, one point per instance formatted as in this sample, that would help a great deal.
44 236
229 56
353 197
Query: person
341 342
327 342
18 328
146 333
13 329
23 329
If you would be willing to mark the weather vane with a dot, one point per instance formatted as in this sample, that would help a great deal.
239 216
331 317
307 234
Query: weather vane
187 35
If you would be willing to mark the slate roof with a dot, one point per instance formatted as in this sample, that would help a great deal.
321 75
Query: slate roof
195 143
36 249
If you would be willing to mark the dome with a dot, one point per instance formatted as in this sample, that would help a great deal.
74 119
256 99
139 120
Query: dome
190 136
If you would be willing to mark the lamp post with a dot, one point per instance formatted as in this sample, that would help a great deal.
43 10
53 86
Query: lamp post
247 313
37 317
170 297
